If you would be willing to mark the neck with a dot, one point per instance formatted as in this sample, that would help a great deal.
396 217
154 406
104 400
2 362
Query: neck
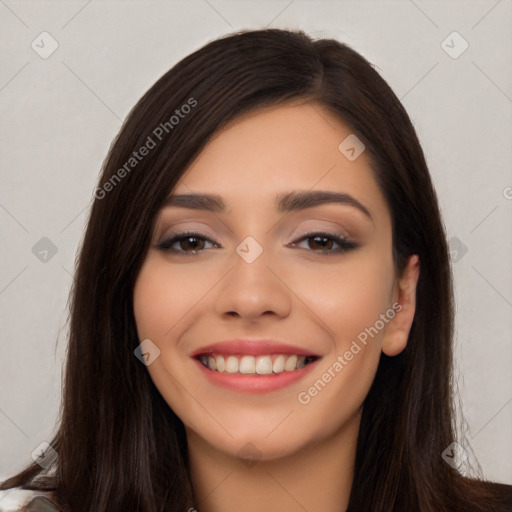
317 477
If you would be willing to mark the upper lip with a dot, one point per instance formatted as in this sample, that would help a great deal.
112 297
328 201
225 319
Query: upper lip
253 347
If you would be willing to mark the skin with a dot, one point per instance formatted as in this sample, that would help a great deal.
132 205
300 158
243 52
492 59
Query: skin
298 294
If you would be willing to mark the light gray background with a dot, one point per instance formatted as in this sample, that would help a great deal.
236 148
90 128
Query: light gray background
60 115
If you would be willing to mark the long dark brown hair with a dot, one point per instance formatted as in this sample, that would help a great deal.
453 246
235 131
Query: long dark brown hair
120 446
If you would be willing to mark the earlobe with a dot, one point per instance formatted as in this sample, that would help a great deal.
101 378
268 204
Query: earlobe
397 331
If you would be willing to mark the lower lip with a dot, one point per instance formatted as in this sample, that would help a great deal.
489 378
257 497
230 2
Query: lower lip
255 383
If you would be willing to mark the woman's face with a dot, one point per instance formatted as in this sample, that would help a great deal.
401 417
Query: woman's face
271 320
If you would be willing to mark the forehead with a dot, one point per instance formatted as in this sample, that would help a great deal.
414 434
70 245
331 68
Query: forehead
274 150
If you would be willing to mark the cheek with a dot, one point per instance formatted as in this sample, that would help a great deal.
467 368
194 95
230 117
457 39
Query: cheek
149 295
352 302
163 302
162 297
348 297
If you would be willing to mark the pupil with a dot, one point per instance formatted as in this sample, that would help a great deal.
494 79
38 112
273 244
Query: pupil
192 244
317 238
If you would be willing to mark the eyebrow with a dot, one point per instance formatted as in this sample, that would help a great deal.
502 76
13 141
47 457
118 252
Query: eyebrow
287 202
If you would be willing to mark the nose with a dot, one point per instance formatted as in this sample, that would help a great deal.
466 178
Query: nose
253 290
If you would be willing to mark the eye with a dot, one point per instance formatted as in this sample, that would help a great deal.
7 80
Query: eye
323 242
189 241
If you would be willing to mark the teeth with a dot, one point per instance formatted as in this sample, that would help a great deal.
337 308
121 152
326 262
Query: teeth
250 365
247 365
231 365
290 364
278 365
263 365
221 363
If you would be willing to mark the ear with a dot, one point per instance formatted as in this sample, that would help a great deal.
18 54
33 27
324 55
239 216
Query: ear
397 330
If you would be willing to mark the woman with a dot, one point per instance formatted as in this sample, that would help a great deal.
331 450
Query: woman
262 309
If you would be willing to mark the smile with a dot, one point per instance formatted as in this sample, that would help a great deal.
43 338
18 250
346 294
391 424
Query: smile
255 365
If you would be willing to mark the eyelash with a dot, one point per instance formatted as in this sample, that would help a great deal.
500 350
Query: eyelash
166 245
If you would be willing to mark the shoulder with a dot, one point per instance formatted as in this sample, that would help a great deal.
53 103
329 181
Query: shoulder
502 494
21 500
488 496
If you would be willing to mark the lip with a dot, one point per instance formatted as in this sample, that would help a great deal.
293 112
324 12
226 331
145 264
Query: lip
253 383
252 348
